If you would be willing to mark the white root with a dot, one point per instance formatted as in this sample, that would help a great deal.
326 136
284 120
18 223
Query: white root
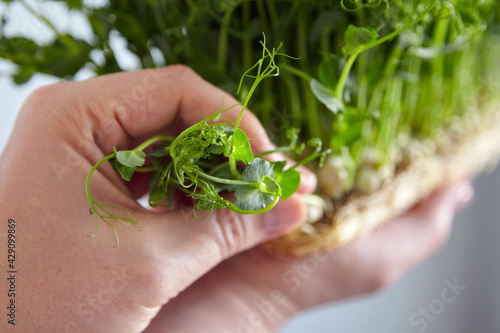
333 177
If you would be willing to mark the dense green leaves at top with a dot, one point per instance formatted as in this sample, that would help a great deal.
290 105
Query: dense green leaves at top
227 5
411 83
64 57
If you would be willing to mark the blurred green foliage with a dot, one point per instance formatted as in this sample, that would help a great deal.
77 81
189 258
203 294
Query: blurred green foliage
412 84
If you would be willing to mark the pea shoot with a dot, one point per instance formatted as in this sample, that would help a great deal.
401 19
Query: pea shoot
208 158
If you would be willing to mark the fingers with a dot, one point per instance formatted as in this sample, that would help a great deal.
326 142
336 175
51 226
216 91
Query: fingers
147 101
377 260
367 264
426 227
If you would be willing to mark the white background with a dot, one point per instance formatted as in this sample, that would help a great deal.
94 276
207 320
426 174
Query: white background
471 255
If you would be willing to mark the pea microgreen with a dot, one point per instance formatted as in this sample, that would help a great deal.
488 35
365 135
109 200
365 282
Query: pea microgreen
377 81
208 158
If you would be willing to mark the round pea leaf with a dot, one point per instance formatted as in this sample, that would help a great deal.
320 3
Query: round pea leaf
249 197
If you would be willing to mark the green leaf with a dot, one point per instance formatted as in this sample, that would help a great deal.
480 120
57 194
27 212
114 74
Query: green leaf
257 169
154 180
278 166
356 38
269 185
217 149
158 151
125 171
325 96
289 182
131 158
251 197
76 55
73 4
23 74
156 196
242 150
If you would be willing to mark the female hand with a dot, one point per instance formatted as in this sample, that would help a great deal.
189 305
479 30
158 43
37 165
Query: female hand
67 282
65 128
256 291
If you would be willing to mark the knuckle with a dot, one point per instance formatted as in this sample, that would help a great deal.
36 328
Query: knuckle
440 234
183 71
383 277
47 108
45 97
151 274
380 271
379 281
231 232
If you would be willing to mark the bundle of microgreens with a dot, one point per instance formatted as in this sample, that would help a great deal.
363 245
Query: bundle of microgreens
202 162
380 82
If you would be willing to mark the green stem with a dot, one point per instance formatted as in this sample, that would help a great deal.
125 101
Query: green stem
296 72
391 66
273 16
261 9
232 165
236 209
277 150
226 181
310 158
154 139
339 89
94 168
247 37
222 47
145 170
247 99
439 39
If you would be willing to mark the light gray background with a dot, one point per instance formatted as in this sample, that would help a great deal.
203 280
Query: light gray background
471 256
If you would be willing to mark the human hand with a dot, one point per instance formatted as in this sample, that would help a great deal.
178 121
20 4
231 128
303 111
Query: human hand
256 291
70 283
64 129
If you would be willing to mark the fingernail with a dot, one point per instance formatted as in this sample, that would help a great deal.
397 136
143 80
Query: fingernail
464 193
285 216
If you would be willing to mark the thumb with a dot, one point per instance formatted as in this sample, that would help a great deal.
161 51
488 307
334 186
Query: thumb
194 247
230 233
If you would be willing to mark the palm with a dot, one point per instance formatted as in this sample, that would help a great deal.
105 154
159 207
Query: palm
257 290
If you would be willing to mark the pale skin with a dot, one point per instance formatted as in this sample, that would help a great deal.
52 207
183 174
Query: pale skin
177 274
